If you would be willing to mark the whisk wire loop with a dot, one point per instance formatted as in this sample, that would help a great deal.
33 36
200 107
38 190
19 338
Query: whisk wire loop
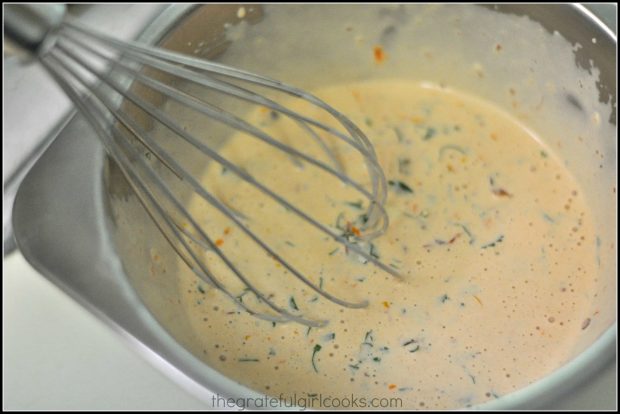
98 92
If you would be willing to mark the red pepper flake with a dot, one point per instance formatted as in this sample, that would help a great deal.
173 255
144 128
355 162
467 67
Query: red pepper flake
392 386
453 239
356 231
379 54
500 192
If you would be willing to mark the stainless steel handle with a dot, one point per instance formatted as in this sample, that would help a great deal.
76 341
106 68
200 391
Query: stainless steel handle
28 25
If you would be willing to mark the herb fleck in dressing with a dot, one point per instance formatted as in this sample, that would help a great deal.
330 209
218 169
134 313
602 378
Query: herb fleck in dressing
489 230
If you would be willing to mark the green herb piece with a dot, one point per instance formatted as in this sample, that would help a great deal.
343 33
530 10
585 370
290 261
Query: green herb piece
469 234
376 359
358 204
308 330
368 121
333 252
201 289
373 251
444 298
274 115
356 366
242 294
316 349
403 166
430 133
248 360
289 243
493 243
399 134
543 154
330 336
272 352
292 303
368 339
548 218
363 218
414 348
399 186
320 282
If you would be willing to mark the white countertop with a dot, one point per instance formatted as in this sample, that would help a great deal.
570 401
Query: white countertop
58 356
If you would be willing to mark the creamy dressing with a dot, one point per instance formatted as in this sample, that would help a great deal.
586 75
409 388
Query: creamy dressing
491 235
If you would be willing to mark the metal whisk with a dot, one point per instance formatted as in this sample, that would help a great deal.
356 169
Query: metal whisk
80 60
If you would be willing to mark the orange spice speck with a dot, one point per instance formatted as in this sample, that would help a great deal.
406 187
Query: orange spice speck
392 386
219 242
356 231
247 337
379 54
227 230
417 119
386 304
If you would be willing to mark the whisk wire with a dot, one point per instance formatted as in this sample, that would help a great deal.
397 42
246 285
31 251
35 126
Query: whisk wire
378 181
117 130
165 120
147 198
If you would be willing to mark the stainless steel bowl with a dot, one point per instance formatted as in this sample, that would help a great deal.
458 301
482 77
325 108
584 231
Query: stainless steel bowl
71 211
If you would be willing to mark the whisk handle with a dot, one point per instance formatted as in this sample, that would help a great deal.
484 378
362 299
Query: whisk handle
28 25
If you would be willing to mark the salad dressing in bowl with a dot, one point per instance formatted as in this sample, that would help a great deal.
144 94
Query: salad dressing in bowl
498 141
490 232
